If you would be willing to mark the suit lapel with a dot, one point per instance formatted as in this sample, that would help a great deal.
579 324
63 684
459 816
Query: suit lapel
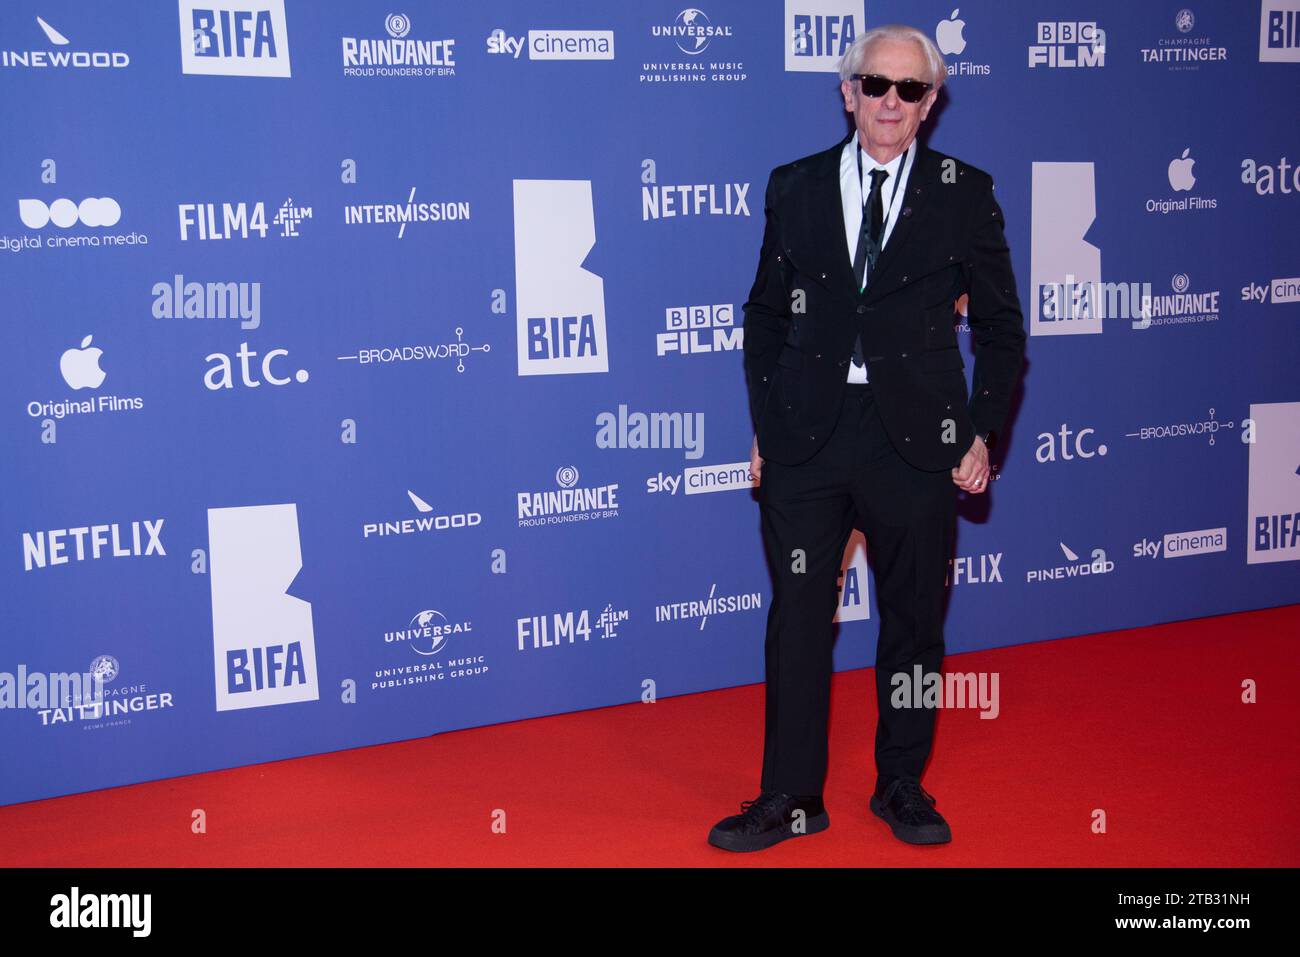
828 218
921 183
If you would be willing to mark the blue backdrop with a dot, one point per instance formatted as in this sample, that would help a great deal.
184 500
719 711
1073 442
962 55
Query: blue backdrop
371 372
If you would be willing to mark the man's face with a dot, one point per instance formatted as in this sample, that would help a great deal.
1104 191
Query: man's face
886 124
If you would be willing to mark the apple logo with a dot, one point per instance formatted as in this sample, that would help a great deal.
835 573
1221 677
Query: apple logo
80 367
948 33
1180 172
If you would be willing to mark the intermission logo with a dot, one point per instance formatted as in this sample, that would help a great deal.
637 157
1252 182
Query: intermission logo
567 628
1185 49
427 635
1279 31
949 36
81 369
70 224
1064 268
398 355
1067 43
178 299
693 34
567 503
1276 291
818 33
238 220
234 38
59 546
710 605
701 479
1269 178
1206 428
560 322
651 430
263 642
442 211
1096 564
63 55
1181 180
1273 497
398 54
1178 307
1180 544
426 521
691 330
554 44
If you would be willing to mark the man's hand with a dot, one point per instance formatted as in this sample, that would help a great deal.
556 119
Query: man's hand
972 475
756 461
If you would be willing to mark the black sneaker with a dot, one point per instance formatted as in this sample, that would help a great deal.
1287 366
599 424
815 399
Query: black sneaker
769 819
909 811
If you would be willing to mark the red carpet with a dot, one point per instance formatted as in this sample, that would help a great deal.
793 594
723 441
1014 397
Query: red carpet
1147 725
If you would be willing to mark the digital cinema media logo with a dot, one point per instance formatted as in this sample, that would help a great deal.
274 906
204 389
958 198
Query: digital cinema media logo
234 38
560 305
817 33
398 54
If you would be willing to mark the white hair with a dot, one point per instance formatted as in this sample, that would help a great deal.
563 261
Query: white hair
851 62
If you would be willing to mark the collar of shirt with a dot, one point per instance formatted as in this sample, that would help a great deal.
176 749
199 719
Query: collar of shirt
853 191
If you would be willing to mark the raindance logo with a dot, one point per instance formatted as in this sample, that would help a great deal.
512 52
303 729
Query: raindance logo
398 55
1179 308
568 503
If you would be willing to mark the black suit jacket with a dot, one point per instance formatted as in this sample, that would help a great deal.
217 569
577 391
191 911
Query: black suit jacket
805 308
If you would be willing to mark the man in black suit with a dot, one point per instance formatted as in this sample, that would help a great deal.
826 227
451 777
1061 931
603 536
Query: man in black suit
862 416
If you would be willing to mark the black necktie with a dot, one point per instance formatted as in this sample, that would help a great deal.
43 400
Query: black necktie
873 218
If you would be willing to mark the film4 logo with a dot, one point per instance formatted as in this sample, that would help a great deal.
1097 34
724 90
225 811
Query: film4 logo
222 373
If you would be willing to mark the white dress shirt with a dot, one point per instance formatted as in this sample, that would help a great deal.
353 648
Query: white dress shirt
853 193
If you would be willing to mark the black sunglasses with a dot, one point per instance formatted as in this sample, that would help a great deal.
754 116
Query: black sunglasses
909 91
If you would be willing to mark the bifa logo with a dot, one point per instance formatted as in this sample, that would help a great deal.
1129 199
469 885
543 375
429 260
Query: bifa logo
1064 268
560 305
234 37
1273 497
1279 31
818 33
263 643
854 581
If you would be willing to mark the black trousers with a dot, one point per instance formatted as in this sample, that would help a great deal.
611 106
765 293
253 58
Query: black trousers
908 517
